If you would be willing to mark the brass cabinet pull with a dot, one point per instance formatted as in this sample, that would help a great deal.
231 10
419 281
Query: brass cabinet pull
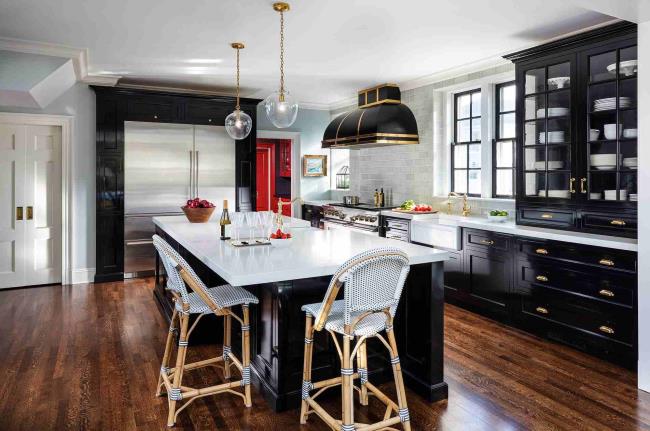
155 117
541 310
541 251
546 215
30 213
605 292
606 329
19 213
487 242
541 278
606 262
572 185
583 182
617 222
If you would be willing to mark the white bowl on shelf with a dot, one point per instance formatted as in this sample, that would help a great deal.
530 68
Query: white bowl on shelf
595 196
608 159
626 68
558 194
630 133
559 81
594 134
610 131
610 195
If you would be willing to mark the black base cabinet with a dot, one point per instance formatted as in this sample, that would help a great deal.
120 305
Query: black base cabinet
581 296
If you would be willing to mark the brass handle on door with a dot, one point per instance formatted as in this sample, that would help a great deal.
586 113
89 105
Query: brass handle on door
606 262
545 215
541 278
487 242
606 329
19 213
541 251
30 213
605 292
617 222
572 185
541 310
583 182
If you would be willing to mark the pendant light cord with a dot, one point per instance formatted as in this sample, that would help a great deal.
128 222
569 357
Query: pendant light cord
281 56
237 107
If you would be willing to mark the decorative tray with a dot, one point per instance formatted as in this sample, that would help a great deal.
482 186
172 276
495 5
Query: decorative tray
251 242
399 210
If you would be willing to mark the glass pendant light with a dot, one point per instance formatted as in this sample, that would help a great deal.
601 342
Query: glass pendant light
238 123
281 108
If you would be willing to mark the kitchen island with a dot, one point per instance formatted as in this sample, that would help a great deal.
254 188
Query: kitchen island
286 278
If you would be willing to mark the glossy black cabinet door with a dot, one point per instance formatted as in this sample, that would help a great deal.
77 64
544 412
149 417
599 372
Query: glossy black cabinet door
454 273
488 279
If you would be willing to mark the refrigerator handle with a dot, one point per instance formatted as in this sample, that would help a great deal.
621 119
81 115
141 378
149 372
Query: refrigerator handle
191 173
196 172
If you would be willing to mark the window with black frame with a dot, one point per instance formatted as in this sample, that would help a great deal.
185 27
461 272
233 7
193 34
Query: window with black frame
503 155
466 148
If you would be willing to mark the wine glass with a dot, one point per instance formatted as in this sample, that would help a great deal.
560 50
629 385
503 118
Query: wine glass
235 222
249 222
267 222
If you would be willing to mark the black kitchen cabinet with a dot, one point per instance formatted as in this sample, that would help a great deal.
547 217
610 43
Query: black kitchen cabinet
117 105
454 275
576 125
313 214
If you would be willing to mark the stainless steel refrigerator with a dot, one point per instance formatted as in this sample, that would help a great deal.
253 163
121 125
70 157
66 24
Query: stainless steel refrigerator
165 165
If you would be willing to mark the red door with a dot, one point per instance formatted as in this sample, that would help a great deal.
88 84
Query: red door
265 169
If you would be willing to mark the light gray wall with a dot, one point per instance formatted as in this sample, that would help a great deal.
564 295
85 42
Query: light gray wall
409 171
311 124
78 101
644 205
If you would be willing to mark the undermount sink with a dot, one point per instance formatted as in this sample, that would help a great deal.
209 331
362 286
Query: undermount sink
431 233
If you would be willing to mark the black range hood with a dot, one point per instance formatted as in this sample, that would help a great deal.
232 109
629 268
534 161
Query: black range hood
381 119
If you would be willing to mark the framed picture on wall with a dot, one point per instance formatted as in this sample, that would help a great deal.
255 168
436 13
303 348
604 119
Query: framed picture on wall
314 166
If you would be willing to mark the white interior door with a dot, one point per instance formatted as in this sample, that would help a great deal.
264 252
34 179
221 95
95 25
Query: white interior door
12 229
30 243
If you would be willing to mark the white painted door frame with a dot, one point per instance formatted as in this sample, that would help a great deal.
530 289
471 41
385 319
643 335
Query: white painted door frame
296 168
66 123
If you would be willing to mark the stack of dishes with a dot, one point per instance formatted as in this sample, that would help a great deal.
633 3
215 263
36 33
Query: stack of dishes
633 197
552 112
609 103
610 195
630 162
552 165
603 162
553 137
595 196
629 133
559 82
558 194
627 68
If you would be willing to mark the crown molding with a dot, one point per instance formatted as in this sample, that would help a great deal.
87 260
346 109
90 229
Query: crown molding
101 80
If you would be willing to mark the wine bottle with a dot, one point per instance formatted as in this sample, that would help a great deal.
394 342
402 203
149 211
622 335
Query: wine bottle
224 220
382 198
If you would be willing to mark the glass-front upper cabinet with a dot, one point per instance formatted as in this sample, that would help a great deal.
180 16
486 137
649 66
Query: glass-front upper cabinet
611 141
547 134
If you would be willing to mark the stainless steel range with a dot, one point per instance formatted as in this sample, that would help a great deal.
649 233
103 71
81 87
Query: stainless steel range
363 218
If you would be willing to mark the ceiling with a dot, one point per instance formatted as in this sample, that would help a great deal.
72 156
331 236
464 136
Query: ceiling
333 48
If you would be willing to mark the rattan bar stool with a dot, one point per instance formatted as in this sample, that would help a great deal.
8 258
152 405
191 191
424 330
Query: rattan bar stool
219 300
373 283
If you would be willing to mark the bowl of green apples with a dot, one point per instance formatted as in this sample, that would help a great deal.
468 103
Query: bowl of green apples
498 216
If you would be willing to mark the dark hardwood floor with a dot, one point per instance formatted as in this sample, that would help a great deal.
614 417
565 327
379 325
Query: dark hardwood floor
86 357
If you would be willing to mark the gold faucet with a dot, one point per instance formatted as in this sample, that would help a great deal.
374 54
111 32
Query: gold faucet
466 208
278 215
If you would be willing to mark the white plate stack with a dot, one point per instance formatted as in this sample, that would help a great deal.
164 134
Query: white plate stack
603 162
630 162
554 137
633 197
609 103
555 193
610 195
626 68
552 112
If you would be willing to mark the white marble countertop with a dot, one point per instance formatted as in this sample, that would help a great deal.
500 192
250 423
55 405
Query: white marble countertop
408 216
320 203
509 227
312 252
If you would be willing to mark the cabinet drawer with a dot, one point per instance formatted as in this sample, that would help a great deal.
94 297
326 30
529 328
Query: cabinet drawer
485 240
609 222
601 257
150 111
608 321
396 223
618 289
547 217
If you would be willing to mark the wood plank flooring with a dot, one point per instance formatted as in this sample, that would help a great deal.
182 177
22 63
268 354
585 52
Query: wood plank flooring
86 357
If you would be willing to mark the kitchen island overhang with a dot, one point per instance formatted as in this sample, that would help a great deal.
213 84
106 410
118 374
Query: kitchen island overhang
286 278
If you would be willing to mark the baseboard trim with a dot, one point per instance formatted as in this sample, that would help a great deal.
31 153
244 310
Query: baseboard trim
83 275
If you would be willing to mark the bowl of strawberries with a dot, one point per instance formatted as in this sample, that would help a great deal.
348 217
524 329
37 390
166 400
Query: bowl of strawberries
280 239
198 210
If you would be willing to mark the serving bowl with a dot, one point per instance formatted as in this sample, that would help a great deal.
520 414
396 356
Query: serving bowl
594 134
497 219
277 242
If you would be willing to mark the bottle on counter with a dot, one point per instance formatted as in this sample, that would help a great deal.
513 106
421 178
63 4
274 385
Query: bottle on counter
376 198
382 198
224 220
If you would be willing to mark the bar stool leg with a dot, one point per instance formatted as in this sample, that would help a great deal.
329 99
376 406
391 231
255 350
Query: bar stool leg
168 348
399 381
362 367
246 356
306 367
175 394
227 322
346 377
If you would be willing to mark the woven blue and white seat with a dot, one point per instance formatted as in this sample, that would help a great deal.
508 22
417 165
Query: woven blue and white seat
200 301
372 283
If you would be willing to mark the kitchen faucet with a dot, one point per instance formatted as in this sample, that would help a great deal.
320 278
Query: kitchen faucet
278 215
466 208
